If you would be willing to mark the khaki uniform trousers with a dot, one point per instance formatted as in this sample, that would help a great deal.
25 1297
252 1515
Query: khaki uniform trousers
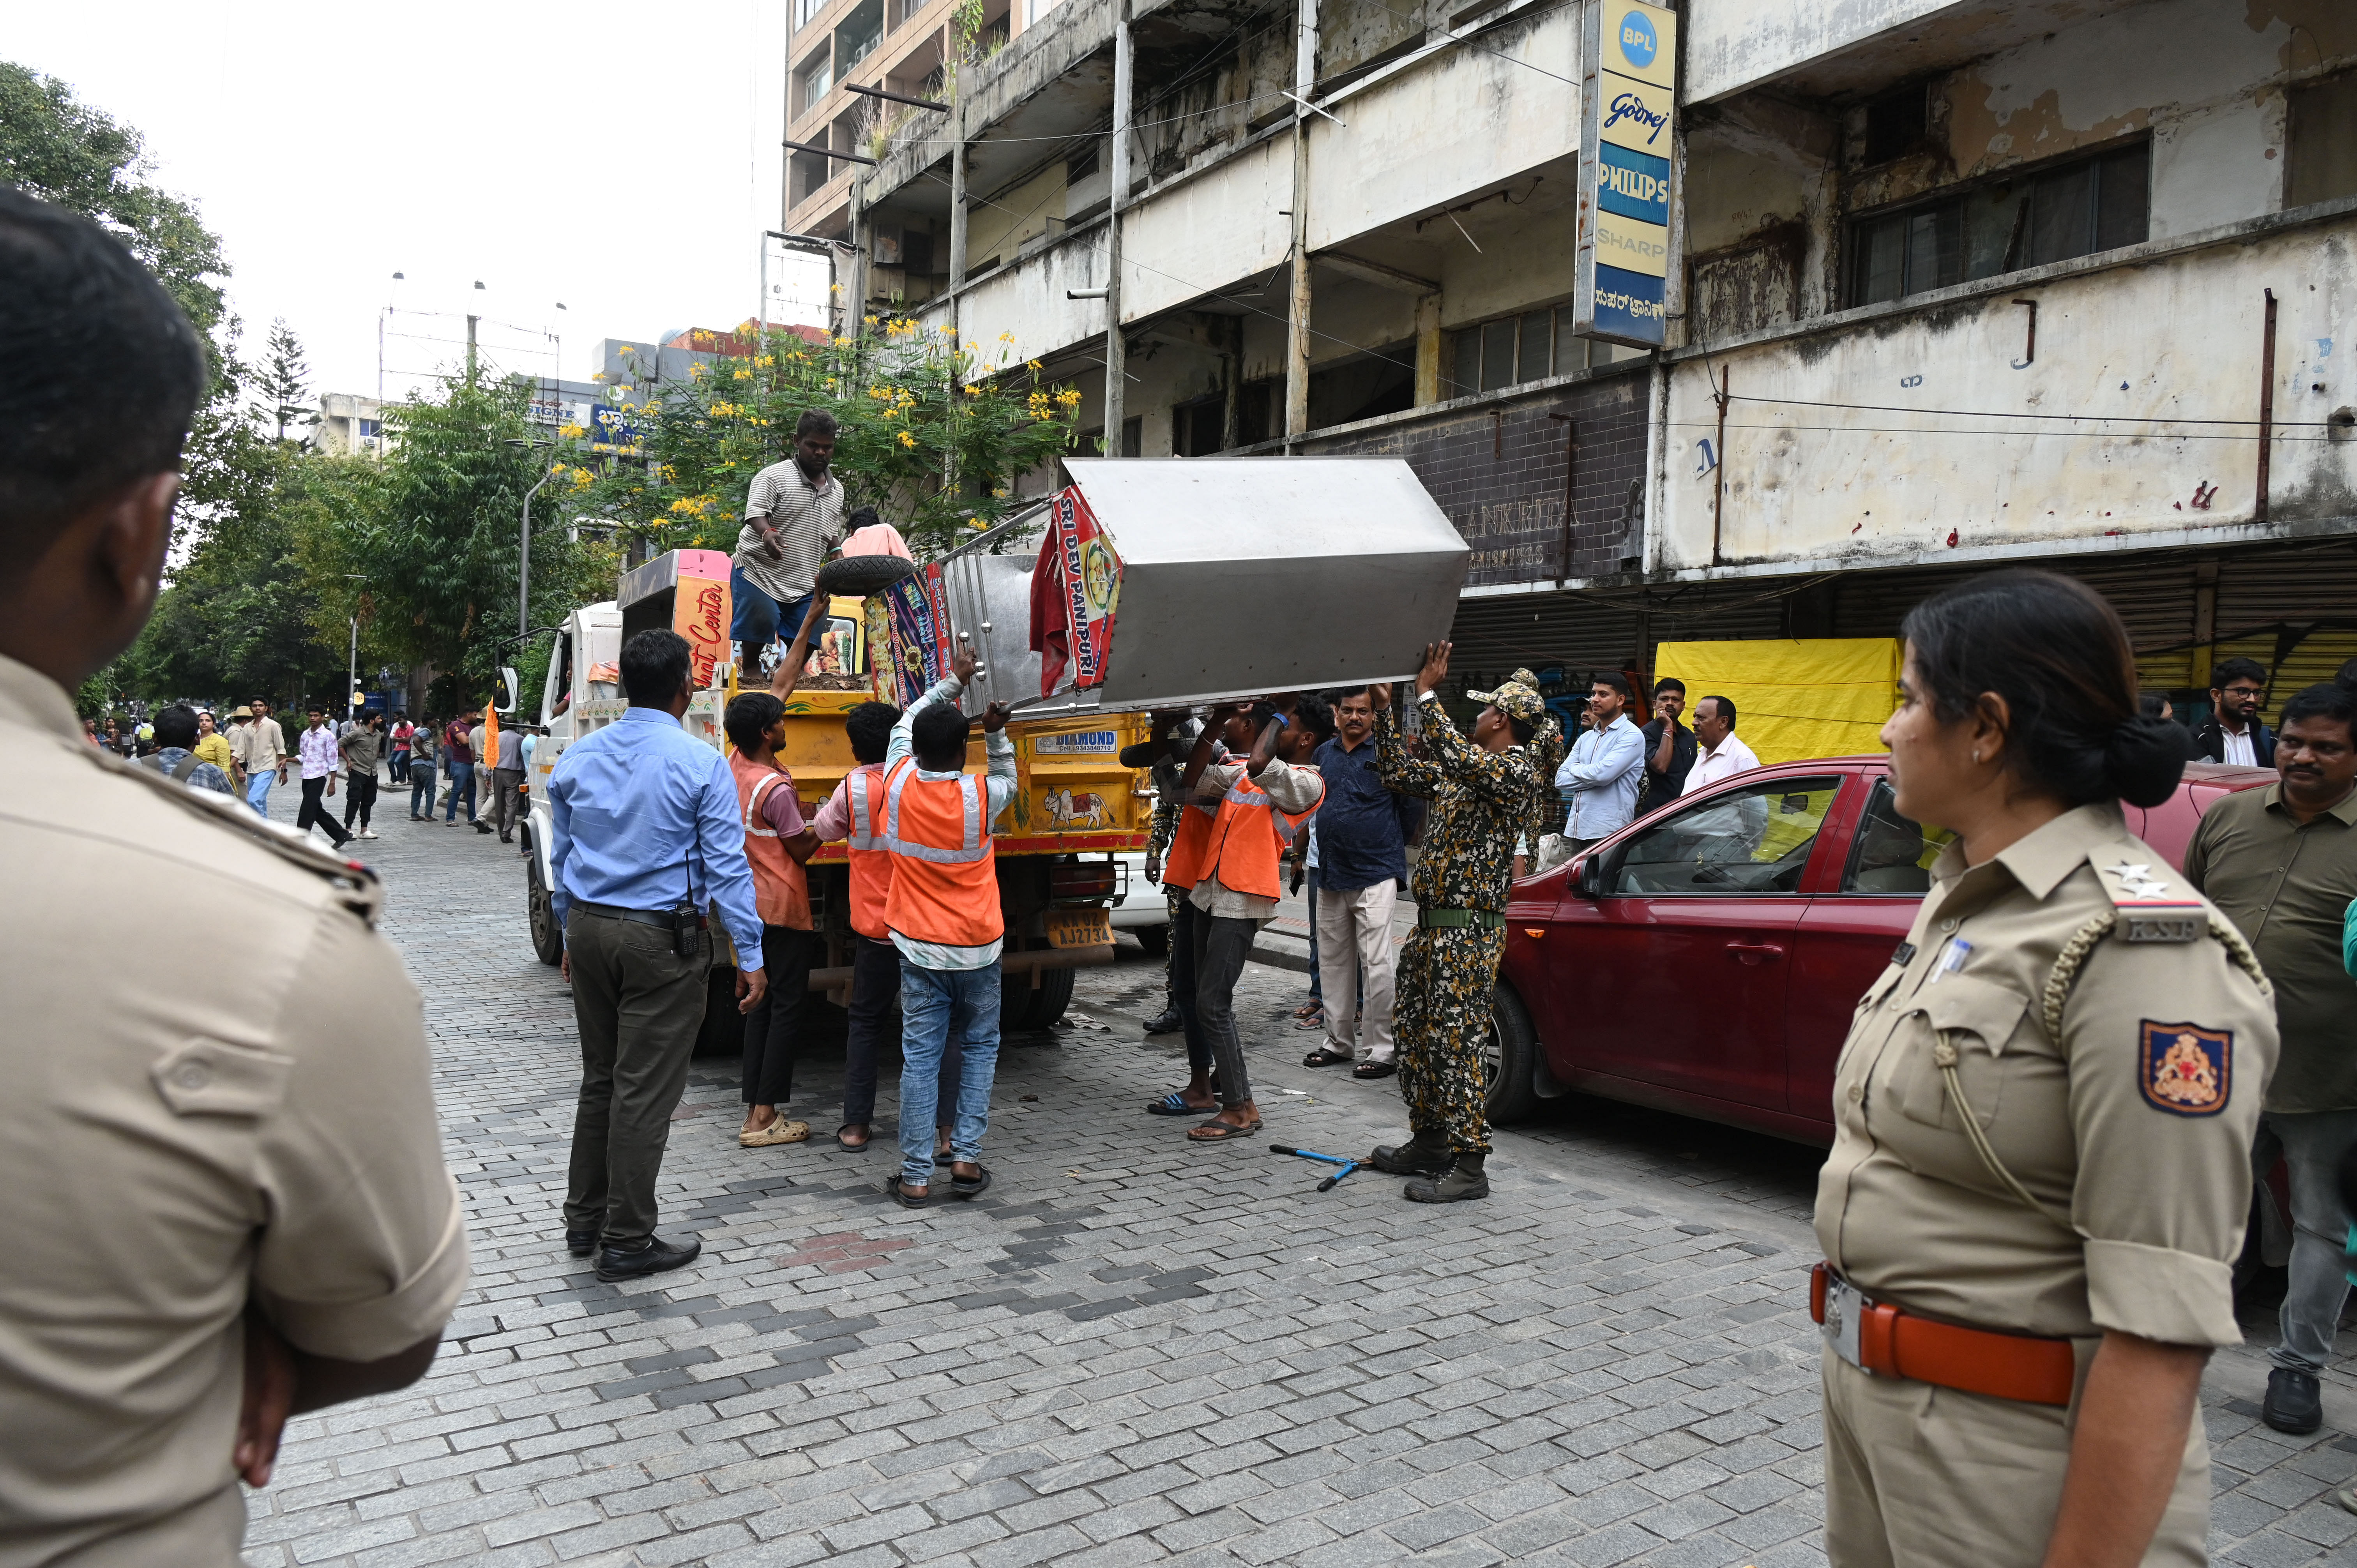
639 1007
1922 1477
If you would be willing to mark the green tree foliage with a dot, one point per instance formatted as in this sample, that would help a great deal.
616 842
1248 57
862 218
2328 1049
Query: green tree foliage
930 436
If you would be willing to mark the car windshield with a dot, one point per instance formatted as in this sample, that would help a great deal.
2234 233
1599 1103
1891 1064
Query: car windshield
1754 839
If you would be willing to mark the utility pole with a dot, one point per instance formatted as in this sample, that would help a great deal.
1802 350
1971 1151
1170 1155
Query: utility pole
1116 355
470 349
1296 358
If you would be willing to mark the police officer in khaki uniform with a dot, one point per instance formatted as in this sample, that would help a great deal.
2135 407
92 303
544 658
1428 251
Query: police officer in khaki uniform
225 1196
2044 1114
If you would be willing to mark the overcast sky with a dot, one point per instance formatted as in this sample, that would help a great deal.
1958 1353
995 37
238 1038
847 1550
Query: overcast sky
622 159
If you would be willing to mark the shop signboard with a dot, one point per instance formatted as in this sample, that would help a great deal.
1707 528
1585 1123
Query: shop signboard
1628 175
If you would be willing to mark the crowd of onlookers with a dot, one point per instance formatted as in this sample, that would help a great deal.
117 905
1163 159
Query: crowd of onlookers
357 755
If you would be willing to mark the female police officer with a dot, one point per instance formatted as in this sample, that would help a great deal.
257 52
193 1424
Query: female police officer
2044 1115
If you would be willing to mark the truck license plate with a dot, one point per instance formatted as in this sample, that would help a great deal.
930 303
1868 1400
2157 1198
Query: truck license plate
1080 929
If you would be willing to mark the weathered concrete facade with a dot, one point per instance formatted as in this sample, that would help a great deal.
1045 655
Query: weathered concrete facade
1963 283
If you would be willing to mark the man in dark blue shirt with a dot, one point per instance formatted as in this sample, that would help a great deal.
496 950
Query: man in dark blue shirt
1362 832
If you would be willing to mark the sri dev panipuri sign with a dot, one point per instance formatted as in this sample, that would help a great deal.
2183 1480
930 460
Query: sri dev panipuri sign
1628 147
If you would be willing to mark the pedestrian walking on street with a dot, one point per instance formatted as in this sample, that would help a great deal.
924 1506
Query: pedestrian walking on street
507 782
399 734
644 837
485 777
1480 789
2042 1115
214 746
422 750
320 757
777 844
263 755
942 911
1362 858
226 1195
176 756
458 772
362 748
1262 802
2281 862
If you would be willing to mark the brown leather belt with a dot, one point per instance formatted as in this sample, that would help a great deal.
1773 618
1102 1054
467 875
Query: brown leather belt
1888 1343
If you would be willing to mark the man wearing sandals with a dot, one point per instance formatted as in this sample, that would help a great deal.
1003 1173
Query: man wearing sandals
943 912
1480 793
1363 859
1262 801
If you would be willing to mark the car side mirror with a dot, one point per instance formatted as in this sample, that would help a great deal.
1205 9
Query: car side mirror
510 689
1591 877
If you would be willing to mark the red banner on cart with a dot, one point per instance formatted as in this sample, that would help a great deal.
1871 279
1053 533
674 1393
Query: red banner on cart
1079 567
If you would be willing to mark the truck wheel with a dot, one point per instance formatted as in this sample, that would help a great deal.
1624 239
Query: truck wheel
1509 1060
1154 939
723 1033
548 936
1021 1007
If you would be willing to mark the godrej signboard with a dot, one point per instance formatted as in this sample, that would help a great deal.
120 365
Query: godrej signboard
1629 95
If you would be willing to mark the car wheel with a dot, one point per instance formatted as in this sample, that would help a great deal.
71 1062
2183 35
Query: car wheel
1509 1060
1154 939
548 936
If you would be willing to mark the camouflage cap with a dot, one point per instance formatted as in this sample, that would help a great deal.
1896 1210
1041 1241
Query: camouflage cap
1515 699
1522 677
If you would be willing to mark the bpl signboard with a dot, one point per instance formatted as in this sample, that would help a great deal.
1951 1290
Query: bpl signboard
1629 96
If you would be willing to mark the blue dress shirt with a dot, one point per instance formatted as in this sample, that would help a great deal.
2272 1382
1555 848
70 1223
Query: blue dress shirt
1599 780
630 806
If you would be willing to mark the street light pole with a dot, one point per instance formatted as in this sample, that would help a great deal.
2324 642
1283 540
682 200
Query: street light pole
524 559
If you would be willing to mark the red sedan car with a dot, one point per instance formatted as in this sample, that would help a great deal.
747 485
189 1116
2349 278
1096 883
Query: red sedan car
1706 958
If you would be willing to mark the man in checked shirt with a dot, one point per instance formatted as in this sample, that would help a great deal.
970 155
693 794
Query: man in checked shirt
793 517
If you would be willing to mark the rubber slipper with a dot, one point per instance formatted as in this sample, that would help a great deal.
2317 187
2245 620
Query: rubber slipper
778 1131
892 1186
846 1145
1306 1008
1220 1133
1374 1069
1175 1105
1310 1020
962 1188
1323 1058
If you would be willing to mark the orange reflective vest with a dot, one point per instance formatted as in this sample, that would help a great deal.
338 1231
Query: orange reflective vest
871 866
944 876
781 890
1184 866
1248 838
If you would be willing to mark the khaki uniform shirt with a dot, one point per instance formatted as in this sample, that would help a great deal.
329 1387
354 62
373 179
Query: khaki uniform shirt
2134 1121
260 744
214 1092
2286 887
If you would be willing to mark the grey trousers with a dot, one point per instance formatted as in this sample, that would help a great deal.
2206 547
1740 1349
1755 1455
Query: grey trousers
2311 1144
638 1005
507 804
1222 948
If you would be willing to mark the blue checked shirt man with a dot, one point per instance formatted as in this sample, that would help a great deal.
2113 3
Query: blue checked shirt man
1599 781
644 840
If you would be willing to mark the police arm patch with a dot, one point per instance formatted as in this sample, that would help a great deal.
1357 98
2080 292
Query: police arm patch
2185 1070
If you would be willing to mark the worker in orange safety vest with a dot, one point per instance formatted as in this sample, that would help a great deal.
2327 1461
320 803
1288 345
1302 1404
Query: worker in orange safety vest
942 915
1232 873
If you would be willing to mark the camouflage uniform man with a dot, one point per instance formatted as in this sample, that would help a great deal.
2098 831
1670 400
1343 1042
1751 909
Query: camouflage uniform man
1547 748
1481 792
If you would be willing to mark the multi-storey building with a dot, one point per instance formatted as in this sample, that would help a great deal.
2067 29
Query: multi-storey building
1951 284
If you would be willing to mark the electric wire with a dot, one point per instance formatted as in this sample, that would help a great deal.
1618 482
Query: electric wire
2001 413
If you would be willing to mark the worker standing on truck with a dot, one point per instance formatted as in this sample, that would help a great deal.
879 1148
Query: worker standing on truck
794 516
943 914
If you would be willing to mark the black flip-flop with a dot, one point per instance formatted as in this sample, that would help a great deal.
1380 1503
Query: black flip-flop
1175 1105
848 1145
892 1186
1374 1069
1220 1133
1323 1058
962 1188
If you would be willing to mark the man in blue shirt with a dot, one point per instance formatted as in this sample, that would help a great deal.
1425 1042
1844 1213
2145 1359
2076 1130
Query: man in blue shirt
1599 780
644 839
1362 832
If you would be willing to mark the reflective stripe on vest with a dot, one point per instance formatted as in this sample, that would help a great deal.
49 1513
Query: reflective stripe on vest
780 888
944 878
863 829
871 866
1239 854
970 793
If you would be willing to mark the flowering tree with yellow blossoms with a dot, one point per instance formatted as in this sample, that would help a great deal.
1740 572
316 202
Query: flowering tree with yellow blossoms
932 433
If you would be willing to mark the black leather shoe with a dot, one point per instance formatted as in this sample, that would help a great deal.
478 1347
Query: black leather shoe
580 1244
2294 1403
1166 1022
1462 1180
658 1256
1417 1157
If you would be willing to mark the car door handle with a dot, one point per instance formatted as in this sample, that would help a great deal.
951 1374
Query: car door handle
1755 954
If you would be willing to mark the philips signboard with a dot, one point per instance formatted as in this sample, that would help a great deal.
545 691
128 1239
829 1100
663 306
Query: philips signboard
1628 151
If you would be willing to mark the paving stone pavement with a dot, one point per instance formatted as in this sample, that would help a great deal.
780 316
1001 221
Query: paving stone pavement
1132 1349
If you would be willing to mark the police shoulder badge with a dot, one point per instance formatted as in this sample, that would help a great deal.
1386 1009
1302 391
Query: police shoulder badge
2186 1069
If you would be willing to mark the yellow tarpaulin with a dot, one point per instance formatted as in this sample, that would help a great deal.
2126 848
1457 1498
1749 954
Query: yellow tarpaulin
1813 697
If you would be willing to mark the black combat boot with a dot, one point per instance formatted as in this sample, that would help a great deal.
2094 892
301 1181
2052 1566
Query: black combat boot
1166 1022
1462 1180
1424 1154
